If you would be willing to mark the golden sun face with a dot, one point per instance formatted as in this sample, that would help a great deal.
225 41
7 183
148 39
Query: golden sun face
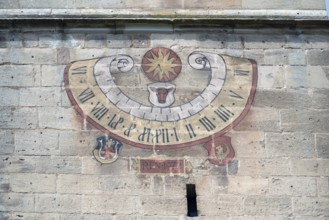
161 64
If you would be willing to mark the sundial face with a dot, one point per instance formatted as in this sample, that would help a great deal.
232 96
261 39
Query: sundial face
167 100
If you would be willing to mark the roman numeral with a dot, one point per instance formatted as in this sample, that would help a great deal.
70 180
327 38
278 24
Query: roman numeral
85 95
190 130
99 110
235 95
207 123
163 133
224 113
241 73
79 70
176 135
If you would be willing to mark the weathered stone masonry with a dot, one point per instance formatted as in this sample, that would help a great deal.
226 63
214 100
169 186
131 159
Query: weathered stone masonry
281 166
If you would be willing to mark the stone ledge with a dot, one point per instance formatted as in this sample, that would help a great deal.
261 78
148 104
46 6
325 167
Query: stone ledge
164 14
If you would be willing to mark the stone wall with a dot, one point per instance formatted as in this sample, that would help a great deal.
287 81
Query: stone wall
281 166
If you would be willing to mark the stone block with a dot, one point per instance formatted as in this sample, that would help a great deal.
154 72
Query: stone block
260 217
14 39
311 76
281 4
311 206
33 56
22 75
56 164
204 184
22 118
305 120
150 218
93 184
221 205
139 41
296 57
33 4
315 41
35 216
49 96
322 145
51 40
65 101
20 202
263 167
156 205
317 57
52 75
318 77
154 4
117 204
9 96
297 77
72 40
116 40
263 41
294 41
208 4
181 40
9 4
7 142
248 144
32 183
270 77
78 184
4 183
245 185
175 185
3 40
5 54
310 167
59 118
260 119
267 205
233 167
158 185
57 203
301 145
99 4
255 54
77 143
36 142
214 41
127 185
85 216
323 186
282 99
95 41
276 57
310 218
320 99
63 56
30 40
292 186
84 54
14 164
91 166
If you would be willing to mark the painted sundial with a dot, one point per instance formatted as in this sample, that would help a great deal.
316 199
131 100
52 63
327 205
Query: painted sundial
168 99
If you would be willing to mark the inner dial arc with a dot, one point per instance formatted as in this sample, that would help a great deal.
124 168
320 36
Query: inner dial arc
197 60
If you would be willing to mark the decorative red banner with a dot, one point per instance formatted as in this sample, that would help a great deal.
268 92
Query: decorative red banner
174 166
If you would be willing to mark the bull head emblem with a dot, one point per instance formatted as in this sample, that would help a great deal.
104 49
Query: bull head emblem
161 94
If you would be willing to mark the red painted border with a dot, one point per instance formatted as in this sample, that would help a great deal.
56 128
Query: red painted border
188 144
